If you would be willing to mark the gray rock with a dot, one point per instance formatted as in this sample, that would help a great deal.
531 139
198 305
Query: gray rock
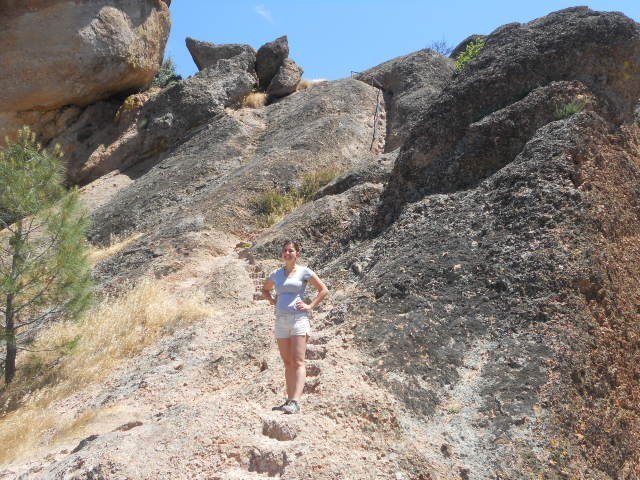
94 145
462 285
462 46
324 226
269 58
207 54
575 43
495 140
372 169
286 80
228 162
410 84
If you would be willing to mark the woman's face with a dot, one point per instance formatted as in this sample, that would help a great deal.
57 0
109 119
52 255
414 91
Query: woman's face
289 253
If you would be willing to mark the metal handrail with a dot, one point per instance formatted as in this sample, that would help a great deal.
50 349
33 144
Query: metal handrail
375 115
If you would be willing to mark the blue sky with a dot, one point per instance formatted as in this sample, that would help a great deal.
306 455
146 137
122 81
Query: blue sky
329 39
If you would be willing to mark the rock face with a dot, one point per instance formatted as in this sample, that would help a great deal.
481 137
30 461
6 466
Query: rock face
57 53
599 49
272 149
147 131
286 80
269 58
462 46
410 84
497 296
485 292
207 54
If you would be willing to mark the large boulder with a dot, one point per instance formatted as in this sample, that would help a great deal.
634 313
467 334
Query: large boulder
207 54
602 50
55 53
410 84
269 58
286 80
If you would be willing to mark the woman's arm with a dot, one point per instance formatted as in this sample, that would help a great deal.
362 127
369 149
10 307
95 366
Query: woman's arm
266 291
322 292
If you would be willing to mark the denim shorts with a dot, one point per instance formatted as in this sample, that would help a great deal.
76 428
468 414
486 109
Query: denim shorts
292 324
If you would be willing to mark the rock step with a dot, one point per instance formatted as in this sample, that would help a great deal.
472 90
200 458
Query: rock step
269 461
282 428
313 369
316 352
312 386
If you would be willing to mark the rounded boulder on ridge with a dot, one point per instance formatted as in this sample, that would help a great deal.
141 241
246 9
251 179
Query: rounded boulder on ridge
269 58
286 80
55 53
206 54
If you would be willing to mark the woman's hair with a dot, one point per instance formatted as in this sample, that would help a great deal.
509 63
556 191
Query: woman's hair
296 244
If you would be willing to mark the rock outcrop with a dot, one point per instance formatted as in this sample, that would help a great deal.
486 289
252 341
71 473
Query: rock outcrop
272 149
207 54
599 49
148 126
286 80
59 53
269 58
410 84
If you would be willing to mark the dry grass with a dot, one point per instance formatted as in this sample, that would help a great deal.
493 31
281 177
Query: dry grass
273 205
255 100
71 355
98 254
304 84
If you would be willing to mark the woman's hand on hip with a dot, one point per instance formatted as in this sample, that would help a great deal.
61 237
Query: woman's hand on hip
303 307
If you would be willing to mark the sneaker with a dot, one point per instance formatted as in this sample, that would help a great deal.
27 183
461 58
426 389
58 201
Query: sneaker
281 407
291 407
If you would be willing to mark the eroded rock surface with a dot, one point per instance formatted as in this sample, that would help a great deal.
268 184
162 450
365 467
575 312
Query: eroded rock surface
286 79
483 320
146 129
206 54
410 84
599 49
230 161
269 58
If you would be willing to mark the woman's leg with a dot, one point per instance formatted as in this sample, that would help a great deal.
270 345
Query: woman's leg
284 345
298 348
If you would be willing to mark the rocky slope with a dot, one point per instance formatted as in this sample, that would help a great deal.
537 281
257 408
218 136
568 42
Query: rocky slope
485 313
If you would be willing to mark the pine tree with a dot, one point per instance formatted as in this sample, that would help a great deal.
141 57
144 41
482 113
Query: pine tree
44 269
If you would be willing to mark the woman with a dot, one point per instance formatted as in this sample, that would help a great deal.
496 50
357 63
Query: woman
292 327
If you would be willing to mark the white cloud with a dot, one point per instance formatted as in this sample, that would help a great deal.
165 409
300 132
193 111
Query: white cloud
263 12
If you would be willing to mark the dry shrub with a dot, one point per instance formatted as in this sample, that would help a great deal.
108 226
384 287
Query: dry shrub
273 205
255 100
98 254
71 355
304 84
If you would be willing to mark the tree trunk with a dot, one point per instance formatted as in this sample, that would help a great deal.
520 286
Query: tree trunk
10 341
9 325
